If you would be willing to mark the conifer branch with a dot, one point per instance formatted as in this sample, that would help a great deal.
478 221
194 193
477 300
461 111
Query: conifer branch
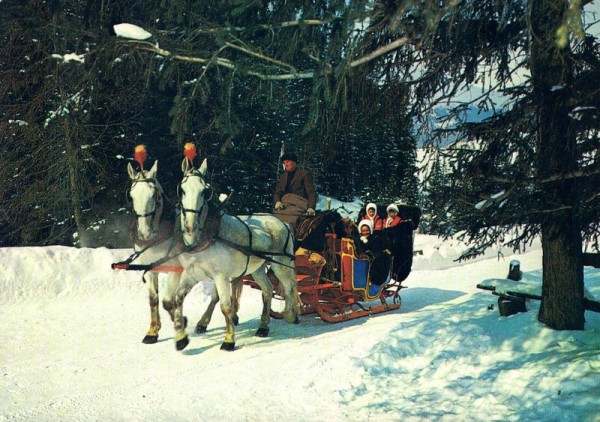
380 51
147 46
287 24
229 64
259 55
550 179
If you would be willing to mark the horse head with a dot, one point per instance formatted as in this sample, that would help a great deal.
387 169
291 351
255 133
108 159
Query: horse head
194 193
147 200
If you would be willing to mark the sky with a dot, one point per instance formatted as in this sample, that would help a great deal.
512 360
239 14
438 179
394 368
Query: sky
71 350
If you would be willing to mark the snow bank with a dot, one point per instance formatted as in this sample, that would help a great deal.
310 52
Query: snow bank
48 273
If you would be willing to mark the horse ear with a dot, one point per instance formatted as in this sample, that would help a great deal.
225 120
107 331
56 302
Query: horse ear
185 166
152 172
203 167
131 171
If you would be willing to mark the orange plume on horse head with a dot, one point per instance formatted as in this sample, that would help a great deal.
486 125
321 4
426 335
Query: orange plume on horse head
140 154
190 152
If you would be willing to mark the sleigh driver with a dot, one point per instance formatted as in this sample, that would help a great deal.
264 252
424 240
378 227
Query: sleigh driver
294 194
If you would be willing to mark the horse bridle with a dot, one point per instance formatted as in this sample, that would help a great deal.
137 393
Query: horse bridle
157 200
208 190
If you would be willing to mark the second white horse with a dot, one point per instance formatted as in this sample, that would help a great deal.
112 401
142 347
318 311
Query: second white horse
242 245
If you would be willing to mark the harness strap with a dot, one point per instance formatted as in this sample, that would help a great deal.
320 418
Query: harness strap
136 254
287 239
179 248
259 254
249 244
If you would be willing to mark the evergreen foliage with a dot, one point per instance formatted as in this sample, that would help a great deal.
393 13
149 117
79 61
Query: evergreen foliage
238 78
525 170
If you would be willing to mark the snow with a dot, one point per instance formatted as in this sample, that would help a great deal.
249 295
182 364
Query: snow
130 31
69 57
72 350
481 204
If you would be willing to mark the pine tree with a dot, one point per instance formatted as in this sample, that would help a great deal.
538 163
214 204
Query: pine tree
235 77
523 171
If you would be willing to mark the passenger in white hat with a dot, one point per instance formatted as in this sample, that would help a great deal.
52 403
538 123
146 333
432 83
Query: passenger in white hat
372 216
393 219
365 228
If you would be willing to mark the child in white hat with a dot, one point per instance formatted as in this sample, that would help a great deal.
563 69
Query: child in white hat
393 219
371 215
365 228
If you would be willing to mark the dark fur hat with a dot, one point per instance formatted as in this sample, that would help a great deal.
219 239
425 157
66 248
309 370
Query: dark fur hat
289 156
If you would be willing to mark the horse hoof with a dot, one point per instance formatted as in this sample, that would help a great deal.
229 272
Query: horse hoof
228 346
181 344
200 329
297 320
235 320
150 339
262 332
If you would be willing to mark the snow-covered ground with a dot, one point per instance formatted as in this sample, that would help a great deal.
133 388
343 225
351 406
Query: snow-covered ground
71 351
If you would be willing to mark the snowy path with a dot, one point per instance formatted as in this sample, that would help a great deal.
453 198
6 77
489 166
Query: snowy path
72 351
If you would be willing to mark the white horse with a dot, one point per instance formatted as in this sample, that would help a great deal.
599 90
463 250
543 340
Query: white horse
147 199
241 245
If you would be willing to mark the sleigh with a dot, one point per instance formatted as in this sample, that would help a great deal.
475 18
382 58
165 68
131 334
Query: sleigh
349 283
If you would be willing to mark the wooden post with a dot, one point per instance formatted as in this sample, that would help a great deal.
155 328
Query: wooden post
514 270
511 306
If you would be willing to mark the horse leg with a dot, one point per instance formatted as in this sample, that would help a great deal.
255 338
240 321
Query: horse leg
236 294
151 280
267 294
287 284
169 295
179 321
223 287
205 319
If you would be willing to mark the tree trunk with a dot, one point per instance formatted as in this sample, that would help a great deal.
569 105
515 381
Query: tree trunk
562 290
74 184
